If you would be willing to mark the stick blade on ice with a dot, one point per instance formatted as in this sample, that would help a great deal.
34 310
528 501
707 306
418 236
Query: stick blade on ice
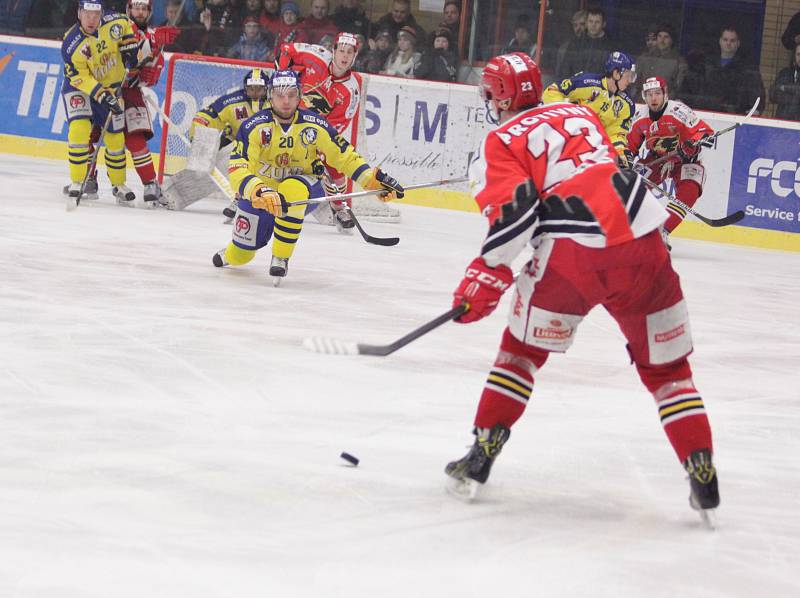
330 346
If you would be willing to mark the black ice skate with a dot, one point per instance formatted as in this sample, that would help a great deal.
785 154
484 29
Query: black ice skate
342 217
219 259
473 469
152 194
230 211
704 492
278 269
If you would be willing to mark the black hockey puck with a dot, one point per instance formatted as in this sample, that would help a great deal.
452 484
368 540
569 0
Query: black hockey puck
349 458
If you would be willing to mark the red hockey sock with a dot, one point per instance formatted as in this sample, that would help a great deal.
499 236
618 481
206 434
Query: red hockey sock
680 407
687 192
510 383
142 160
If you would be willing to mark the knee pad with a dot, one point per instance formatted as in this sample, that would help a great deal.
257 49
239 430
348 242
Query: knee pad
115 142
236 256
79 131
294 190
136 143
656 378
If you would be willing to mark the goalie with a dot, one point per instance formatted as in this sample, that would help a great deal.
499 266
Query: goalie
274 162
212 132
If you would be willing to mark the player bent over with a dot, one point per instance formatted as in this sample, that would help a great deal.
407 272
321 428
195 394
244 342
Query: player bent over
274 161
605 95
97 51
594 230
212 132
665 126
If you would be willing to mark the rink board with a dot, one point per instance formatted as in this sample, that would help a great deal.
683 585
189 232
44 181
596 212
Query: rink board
421 131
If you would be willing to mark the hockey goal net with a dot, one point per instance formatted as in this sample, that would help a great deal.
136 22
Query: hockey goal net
194 82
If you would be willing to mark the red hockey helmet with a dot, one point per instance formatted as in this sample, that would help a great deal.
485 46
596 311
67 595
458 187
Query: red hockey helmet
654 83
514 77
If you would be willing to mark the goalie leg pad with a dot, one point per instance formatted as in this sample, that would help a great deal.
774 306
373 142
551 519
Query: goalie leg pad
203 151
187 187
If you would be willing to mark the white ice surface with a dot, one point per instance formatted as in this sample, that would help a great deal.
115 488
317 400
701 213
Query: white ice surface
163 433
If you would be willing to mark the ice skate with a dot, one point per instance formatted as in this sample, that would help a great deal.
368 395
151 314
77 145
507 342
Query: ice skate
152 195
219 258
89 190
342 217
72 191
704 492
124 195
230 211
278 268
471 471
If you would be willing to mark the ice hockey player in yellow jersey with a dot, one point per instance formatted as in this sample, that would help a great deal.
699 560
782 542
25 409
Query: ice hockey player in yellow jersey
275 160
605 95
229 111
97 52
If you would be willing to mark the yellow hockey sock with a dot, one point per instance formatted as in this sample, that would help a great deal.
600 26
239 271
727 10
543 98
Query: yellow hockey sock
236 256
288 228
79 154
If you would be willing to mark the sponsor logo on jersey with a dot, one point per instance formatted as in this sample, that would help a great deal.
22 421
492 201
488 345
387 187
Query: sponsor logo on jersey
242 225
240 112
617 107
266 137
282 160
86 50
308 136
77 101
115 31
200 121
663 337
555 331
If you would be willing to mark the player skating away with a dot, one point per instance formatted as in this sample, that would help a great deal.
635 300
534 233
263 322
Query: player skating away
331 88
97 52
603 94
664 126
274 161
212 132
547 176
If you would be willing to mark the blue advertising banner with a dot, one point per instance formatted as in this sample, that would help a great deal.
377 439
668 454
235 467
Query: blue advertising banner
765 178
30 91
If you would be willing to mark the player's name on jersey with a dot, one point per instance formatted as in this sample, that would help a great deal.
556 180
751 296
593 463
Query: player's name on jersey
771 213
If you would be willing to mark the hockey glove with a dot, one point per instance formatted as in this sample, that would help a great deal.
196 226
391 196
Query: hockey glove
481 289
284 59
264 198
317 167
377 180
626 159
163 36
106 97
148 75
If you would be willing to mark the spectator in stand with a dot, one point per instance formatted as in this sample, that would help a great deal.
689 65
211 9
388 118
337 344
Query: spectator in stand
251 8
522 40
732 81
398 18
651 39
438 62
271 17
694 90
218 22
375 57
451 20
662 61
351 18
318 24
174 17
564 56
253 45
290 29
403 61
791 37
785 91
588 53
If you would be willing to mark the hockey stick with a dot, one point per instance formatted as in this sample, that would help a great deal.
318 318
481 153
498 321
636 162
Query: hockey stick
384 241
677 205
711 138
337 347
341 196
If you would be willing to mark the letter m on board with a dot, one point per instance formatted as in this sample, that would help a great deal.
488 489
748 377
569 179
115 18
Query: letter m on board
439 122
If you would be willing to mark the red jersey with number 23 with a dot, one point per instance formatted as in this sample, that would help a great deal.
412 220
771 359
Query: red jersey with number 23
565 151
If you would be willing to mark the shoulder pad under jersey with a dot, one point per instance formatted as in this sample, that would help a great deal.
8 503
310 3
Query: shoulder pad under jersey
240 95
312 117
72 38
586 80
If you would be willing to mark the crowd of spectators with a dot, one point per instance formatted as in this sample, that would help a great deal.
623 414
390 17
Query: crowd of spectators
716 75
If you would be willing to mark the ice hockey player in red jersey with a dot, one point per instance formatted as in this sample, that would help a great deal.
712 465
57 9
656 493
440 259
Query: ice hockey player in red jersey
331 88
548 176
662 127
